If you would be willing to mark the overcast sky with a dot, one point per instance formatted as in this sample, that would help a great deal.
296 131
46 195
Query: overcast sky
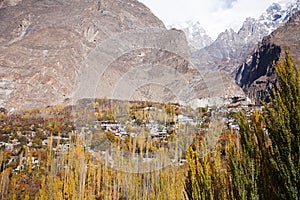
214 15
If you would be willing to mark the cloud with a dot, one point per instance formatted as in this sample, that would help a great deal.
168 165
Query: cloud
214 15
227 4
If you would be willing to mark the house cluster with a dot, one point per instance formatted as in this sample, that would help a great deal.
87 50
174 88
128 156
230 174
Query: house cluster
17 150
155 128
230 120
158 130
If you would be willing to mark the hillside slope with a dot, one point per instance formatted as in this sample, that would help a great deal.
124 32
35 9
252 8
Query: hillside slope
257 75
43 44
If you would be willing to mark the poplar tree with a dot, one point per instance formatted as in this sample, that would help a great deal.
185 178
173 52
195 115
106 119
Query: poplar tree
263 158
266 166
282 124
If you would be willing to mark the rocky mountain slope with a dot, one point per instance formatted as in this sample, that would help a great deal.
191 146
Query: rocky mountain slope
257 75
7 3
230 49
53 52
43 43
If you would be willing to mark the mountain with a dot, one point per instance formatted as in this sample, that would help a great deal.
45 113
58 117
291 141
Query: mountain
230 48
58 52
257 75
43 44
195 33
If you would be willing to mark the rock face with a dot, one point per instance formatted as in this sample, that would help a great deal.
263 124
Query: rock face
231 48
7 3
43 43
53 51
257 75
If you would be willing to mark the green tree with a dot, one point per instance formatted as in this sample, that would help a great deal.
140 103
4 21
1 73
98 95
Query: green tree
264 162
282 124
244 158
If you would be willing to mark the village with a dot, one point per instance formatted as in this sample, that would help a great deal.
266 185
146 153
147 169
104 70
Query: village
157 122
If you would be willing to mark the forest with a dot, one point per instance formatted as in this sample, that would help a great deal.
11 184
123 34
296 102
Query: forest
50 158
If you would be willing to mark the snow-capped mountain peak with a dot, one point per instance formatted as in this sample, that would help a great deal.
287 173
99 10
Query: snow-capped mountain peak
278 14
195 33
229 50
